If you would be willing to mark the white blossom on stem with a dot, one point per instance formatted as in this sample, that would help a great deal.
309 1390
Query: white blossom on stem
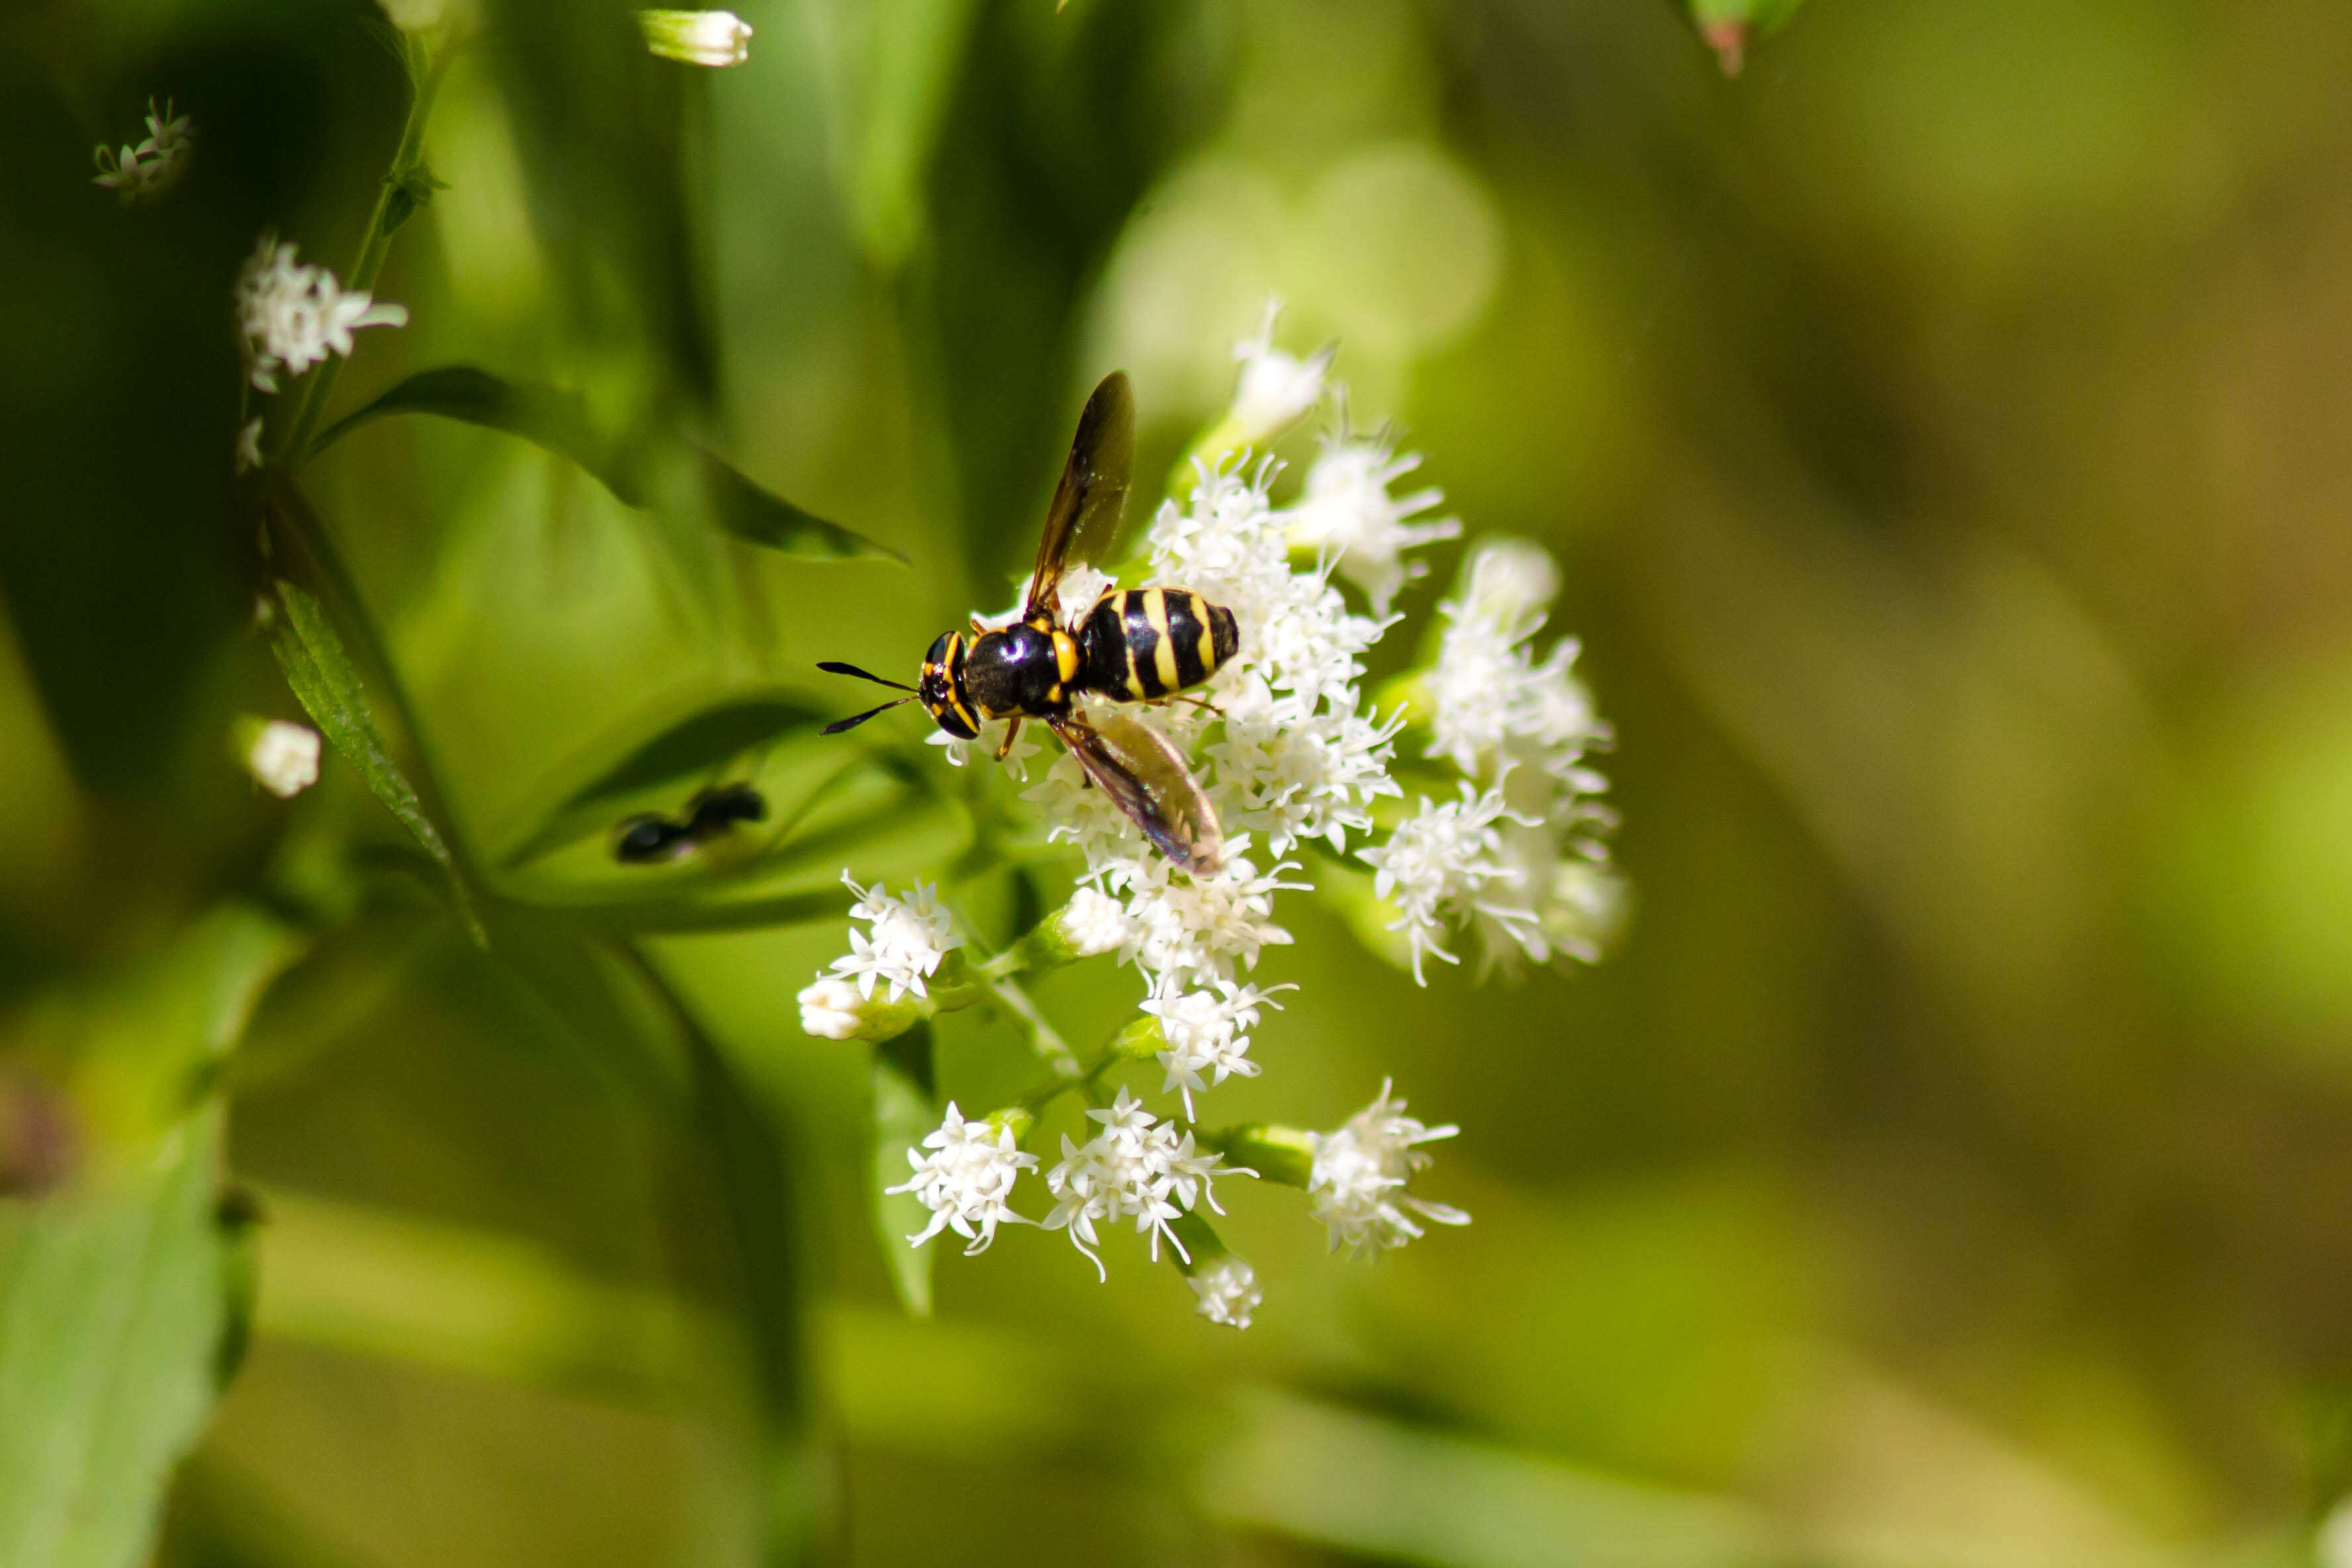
1361 1172
1437 865
1228 1290
1137 1167
1207 1032
292 316
1275 389
966 1181
1346 512
1094 922
248 445
697 38
145 171
908 937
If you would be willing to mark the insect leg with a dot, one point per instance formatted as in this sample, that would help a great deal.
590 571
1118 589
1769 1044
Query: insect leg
1012 728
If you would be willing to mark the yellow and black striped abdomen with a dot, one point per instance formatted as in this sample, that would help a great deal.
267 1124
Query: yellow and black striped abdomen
1138 644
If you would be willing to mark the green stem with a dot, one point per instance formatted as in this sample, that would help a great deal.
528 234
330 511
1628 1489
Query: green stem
426 71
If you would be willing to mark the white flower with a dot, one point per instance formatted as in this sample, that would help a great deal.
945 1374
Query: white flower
1435 864
156 164
1094 922
284 758
292 317
1228 1290
1079 588
1359 1173
1276 390
908 938
248 445
1346 511
967 1180
697 38
830 1009
1207 1032
414 16
1188 927
1136 1168
960 751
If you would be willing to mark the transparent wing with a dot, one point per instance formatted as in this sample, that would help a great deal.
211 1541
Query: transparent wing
1084 515
1149 779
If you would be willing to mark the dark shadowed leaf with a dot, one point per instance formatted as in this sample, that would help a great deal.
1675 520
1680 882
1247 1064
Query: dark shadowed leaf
327 684
689 748
906 1109
651 470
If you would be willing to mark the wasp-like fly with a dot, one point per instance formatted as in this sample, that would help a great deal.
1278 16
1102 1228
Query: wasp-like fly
651 837
1137 645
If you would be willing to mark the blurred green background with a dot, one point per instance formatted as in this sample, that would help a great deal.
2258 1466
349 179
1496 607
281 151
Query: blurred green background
1942 427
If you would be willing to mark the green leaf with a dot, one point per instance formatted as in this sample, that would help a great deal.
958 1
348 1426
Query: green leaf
892 70
113 1309
906 1110
687 748
327 684
650 469
117 1293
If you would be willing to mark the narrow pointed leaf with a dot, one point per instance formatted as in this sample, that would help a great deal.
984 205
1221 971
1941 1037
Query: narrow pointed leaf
653 470
906 1109
327 684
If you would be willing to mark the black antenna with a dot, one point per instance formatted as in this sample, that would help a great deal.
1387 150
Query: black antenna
836 667
837 726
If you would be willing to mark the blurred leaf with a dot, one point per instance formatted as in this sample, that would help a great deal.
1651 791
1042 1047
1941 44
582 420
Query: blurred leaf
328 685
709 738
377 1282
116 1294
648 469
602 127
894 62
742 1140
1325 1473
906 1109
113 1309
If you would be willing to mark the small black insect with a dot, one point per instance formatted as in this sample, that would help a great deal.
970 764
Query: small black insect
650 838
1136 644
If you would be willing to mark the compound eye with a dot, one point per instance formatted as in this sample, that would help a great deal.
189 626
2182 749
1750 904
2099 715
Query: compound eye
939 653
953 721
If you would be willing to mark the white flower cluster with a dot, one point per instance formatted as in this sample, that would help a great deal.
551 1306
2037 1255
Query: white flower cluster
142 172
1295 758
966 1181
292 316
1534 869
905 940
1360 1173
1137 1167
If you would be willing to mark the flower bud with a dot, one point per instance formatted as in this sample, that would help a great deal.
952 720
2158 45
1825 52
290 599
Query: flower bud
1507 581
697 38
1228 1290
833 1008
282 757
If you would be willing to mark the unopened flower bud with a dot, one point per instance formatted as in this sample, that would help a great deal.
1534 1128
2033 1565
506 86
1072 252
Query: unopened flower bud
697 38
282 757
1507 580
833 1008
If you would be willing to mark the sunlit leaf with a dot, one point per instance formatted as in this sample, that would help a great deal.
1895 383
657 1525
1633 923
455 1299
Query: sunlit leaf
650 469
893 64
327 684
906 1109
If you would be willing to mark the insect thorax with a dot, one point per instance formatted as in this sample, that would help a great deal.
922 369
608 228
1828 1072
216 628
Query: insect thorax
1020 670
